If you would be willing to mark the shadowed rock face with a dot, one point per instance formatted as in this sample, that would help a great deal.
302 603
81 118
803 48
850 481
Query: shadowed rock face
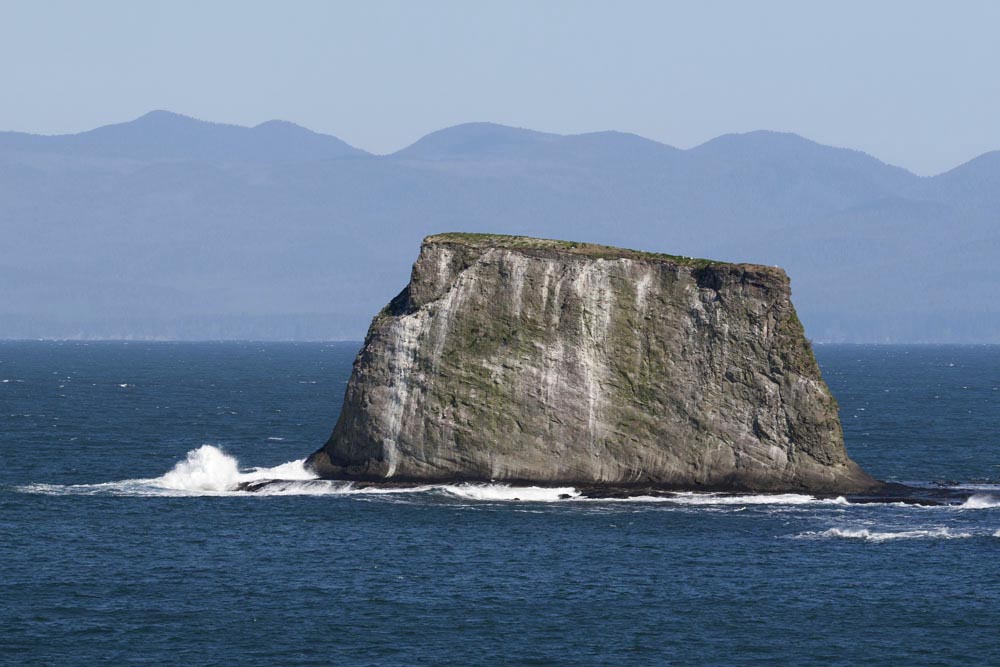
527 360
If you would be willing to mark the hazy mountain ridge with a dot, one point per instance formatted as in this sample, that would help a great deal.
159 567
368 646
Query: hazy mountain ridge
163 135
173 223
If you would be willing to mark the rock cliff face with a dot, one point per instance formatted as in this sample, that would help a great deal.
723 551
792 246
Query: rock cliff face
527 360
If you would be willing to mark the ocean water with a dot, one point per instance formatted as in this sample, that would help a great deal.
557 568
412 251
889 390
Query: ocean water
122 541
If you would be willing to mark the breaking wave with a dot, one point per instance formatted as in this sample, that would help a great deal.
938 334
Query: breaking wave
980 501
205 471
210 471
885 536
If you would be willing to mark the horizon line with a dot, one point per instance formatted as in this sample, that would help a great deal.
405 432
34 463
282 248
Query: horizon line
360 341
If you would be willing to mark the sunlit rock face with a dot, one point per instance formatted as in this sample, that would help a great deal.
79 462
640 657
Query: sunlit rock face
528 360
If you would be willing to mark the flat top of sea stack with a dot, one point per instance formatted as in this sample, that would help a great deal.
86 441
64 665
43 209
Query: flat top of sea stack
592 250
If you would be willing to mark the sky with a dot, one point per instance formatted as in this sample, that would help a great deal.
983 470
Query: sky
912 83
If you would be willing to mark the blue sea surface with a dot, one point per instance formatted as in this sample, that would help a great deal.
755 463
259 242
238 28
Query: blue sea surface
122 541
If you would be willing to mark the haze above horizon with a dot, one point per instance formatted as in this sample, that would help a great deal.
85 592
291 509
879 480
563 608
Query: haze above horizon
898 80
172 227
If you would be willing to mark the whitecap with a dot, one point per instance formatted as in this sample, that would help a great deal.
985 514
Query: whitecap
980 501
885 536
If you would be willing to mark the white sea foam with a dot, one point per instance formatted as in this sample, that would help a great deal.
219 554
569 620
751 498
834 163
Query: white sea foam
693 499
752 499
209 471
323 487
869 535
505 492
207 468
980 501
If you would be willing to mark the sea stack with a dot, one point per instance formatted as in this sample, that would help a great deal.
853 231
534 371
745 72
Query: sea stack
522 360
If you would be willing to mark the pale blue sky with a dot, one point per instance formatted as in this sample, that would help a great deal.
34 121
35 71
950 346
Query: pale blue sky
913 83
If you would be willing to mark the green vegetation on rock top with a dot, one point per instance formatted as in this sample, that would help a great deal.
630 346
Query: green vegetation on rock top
587 249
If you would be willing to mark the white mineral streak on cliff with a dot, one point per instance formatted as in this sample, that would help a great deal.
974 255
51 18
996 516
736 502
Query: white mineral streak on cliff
778 455
443 270
406 335
556 301
445 308
642 289
517 264
551 374
551 368
695 304
550 268
592 287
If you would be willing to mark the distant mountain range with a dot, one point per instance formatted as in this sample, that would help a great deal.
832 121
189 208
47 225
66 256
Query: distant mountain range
171 227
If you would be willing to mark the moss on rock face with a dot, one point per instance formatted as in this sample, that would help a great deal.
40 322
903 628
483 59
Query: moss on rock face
532 360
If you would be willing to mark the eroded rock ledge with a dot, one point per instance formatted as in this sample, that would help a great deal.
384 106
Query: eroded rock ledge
546 362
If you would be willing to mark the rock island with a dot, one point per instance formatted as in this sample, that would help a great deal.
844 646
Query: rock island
522 360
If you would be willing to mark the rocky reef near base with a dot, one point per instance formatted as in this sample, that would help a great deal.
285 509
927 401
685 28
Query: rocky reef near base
533 361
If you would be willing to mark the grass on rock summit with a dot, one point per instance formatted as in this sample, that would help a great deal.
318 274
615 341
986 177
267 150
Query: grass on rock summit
576 248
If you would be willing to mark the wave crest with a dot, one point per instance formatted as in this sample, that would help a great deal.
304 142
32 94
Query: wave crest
205 471
980 501
885 536
207 468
